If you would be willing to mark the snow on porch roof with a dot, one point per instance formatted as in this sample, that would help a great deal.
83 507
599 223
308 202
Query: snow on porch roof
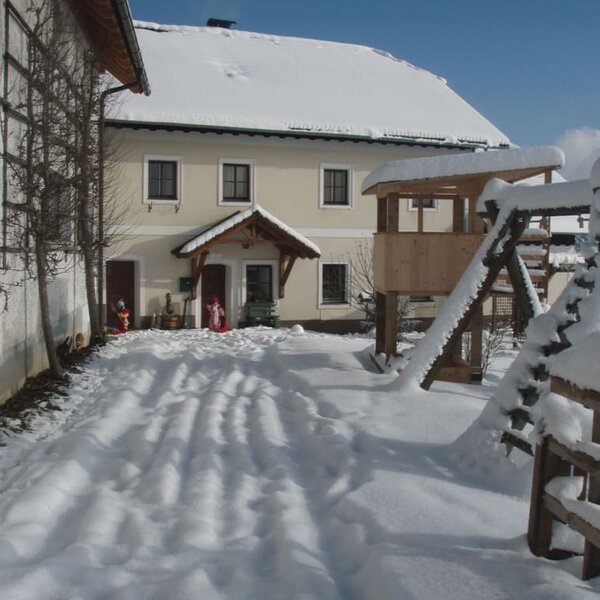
221 228
226 79
524 162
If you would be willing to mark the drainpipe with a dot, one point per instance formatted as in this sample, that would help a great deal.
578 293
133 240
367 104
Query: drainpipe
101 117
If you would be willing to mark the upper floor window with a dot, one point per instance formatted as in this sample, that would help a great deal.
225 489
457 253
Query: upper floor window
429 204
162 179
236 184
336 186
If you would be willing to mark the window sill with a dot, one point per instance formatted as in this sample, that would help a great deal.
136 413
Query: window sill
235 203
336 206
162 201
341 305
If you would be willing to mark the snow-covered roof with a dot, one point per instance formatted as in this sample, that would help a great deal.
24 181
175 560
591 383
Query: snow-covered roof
568 196
455 165
222 78
564 256
212 232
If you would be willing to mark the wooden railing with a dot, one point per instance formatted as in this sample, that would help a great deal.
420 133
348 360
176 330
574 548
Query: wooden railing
553 460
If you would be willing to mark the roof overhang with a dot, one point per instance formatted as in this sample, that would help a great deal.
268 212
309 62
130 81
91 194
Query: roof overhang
421 142
249 227
460 174
108 27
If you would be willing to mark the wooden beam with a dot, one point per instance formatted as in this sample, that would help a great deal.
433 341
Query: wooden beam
420 215
589 398
458 214
380 343
547 465
580 459
477 345
387 213
284 271
591 554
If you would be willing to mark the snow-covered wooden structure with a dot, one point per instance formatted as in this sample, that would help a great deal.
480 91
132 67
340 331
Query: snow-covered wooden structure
546 404
434 263
566 479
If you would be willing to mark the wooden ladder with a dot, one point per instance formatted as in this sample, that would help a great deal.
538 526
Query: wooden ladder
554 459
520 417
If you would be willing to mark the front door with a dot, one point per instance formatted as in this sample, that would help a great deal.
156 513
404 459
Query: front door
213 284
120 283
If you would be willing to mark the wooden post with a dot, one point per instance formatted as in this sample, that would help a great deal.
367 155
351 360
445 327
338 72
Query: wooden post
458 214
391 323
547 465
380 338
386 301
591 553
477 345
475 222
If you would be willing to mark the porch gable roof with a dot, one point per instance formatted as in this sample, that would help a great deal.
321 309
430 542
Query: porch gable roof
255 224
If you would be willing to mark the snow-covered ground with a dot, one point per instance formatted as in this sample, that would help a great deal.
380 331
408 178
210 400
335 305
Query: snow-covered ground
261 464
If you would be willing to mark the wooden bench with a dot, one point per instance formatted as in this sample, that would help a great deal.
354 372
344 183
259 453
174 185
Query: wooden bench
260 313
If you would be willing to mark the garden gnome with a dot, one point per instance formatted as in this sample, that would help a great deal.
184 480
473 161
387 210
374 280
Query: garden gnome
123 316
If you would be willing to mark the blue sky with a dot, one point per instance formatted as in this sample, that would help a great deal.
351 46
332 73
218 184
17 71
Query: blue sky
532 67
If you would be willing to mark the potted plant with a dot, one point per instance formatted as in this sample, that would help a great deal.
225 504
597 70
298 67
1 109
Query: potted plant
169 319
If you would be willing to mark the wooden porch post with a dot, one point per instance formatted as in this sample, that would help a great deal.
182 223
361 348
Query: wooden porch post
386 301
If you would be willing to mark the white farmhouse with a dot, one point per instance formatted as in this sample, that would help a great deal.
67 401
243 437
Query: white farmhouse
242 172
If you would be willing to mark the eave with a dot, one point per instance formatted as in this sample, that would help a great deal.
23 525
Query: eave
108 27
298 134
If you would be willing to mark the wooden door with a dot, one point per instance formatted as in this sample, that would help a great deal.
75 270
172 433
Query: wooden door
213 284
120 283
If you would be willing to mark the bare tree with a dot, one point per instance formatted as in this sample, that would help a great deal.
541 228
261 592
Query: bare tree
41 167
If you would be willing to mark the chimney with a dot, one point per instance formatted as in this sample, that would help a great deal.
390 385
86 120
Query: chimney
223 23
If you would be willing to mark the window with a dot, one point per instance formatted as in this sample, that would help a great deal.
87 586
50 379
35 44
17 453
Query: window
236 185
429 204
336 186
162 179
259 283
334 283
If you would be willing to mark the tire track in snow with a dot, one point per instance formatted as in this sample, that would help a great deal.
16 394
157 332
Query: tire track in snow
291 552
203 487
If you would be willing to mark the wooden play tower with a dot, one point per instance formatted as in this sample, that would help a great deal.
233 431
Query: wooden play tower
428 263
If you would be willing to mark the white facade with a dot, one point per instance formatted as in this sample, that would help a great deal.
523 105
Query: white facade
287 181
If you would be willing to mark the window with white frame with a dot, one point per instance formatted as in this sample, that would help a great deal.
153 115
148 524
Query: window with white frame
259 283
429 204
236 181
334 288
336 186
162 179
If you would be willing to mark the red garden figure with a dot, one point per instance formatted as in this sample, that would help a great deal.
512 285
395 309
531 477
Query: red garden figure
216 315
122 313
